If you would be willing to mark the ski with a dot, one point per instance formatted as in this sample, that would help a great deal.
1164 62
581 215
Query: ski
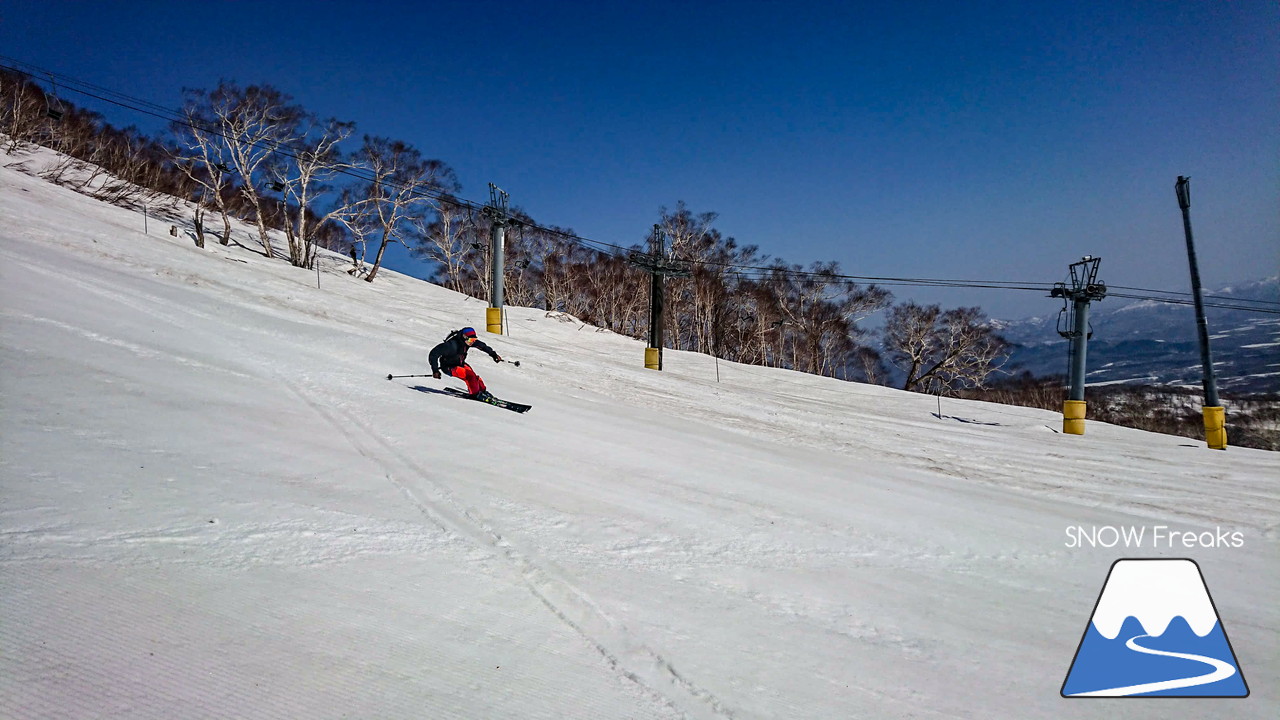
497 402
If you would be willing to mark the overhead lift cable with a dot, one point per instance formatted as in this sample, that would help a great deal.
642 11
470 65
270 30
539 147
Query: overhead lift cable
747 271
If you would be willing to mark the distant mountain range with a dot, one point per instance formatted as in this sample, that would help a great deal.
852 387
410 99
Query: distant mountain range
1155 343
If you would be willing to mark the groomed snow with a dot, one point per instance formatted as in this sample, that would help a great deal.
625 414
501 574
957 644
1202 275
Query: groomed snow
213 504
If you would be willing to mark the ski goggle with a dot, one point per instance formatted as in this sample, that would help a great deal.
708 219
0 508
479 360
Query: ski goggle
469 340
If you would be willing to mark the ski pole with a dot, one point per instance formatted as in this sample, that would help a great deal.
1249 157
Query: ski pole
392 377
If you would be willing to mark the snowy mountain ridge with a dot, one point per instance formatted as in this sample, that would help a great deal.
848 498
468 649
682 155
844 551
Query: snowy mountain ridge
1156 343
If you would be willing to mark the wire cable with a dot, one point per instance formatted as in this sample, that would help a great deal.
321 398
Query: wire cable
752 272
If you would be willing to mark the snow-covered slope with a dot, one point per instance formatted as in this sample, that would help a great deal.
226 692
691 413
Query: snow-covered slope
214 504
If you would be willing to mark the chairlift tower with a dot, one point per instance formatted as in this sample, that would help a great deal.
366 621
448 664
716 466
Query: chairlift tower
659 265
1084 289
499 215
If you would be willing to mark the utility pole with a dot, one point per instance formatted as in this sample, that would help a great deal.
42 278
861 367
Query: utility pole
1084 289
497 211
1215 425
659 265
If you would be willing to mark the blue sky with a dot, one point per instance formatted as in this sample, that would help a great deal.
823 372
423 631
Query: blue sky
982 140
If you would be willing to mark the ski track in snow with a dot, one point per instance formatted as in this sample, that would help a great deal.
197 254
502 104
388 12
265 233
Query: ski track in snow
299 544
627 655
645 667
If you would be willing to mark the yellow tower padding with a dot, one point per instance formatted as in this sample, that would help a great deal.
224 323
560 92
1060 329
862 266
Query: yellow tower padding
1073 417
493 320
653 358
1215 427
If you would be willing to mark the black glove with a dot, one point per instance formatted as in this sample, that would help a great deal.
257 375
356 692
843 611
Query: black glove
435 374
497 358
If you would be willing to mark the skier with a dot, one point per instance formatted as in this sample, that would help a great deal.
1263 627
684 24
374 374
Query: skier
450 357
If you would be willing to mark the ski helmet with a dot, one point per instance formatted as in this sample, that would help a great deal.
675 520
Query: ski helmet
468 333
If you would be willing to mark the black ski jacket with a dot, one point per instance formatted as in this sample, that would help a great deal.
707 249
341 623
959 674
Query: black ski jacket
452 353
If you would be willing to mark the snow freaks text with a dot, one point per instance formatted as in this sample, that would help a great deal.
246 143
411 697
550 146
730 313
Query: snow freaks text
1156 537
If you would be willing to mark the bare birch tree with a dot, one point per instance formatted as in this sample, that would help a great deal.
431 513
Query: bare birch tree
254 122
817 313
200 152
402 192
561 278
23 112
536 246
302 175
940 350
135 162
445 239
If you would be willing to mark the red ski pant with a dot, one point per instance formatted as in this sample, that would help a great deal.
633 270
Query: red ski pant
469 376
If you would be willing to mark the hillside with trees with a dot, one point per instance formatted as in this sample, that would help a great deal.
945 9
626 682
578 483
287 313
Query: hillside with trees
251 153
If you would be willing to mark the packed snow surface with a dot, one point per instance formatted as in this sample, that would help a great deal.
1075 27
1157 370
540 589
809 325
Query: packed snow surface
213 504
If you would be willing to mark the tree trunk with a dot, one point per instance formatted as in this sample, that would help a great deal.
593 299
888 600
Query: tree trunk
199 226
377 260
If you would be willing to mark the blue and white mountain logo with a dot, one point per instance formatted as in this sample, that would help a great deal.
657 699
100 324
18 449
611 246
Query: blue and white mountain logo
1155 633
